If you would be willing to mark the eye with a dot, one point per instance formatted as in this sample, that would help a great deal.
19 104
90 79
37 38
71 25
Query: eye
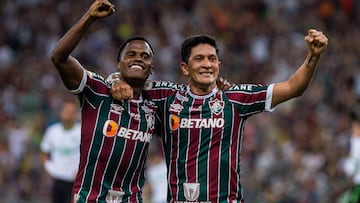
145 56
198 58
213 58
131 53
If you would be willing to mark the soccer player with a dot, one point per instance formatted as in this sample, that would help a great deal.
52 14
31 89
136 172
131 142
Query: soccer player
115 135
202 127
60 152
351 165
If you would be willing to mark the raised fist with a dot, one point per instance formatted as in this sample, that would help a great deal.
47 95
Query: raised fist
316 41
101 8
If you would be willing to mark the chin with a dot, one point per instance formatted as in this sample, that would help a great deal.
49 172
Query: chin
135 80
206 85
207 82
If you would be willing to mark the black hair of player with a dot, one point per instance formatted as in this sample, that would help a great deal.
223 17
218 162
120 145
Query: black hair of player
130 40
193 41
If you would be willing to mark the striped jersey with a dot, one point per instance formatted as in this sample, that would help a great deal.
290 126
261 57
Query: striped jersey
202 137
114 143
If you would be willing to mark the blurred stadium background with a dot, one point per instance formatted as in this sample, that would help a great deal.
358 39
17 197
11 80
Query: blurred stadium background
294 154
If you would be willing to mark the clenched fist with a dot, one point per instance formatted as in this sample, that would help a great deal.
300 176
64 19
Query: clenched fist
316 41
101 8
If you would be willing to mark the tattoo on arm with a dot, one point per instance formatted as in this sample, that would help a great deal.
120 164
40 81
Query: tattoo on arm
312 60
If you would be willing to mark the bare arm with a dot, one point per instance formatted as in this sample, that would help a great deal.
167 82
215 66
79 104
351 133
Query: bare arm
44 157
69 68
297 83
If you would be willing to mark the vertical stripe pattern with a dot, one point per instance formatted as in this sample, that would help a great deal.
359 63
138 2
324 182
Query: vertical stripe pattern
202 137
114 144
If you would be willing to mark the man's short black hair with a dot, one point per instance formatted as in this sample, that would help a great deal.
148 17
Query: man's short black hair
192 41
130 40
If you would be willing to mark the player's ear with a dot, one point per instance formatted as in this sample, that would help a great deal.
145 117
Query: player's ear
152 69
184 68
118 65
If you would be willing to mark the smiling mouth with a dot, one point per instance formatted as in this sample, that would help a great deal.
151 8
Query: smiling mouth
136 67
206 73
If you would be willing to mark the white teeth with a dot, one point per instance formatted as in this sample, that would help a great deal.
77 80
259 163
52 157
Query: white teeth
205 73
136 67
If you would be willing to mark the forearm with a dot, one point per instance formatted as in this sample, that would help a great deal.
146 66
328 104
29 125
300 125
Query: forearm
44 157
70 40
70 70
98 9
297 83
301 79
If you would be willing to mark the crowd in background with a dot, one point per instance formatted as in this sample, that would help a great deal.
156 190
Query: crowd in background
292 155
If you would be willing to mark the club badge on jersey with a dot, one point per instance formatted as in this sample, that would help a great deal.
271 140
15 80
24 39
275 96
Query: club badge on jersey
216 106
191 191
114 196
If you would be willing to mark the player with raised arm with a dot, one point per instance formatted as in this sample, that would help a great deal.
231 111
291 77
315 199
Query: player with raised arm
202 127
115 135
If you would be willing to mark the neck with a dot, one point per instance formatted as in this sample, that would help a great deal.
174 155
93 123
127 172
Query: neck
137 92
137 86
68 125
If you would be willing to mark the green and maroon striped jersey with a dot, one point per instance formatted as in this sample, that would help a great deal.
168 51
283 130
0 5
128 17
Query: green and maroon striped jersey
202 137
114 143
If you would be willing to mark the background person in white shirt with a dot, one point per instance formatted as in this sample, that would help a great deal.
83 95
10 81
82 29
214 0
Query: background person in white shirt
155 188
60 152
352 163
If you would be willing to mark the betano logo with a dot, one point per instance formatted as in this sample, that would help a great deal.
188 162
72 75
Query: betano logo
177 122
111 129
174 122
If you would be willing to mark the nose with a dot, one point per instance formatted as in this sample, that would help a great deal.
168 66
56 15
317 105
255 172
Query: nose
207 64
138 57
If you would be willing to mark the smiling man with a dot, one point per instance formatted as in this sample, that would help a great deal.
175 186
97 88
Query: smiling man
115 135
202 127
